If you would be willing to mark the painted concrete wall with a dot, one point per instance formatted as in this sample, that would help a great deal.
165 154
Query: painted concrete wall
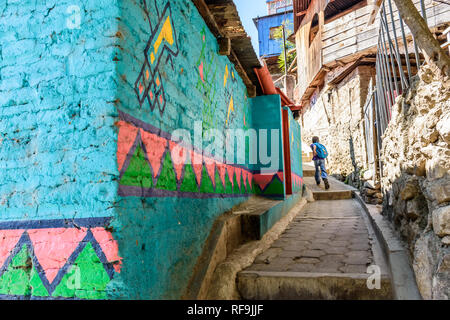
171 193
266 115
57 186
98 197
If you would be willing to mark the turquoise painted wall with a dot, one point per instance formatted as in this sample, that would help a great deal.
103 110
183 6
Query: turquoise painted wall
295 147
90 189
58 172
266 115
56 122
160 228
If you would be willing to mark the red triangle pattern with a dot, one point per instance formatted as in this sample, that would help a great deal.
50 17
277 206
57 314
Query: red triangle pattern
244 178
126 139
238 176
280 176
230 170
179 156
222 171
156 147
197 165
109 246
263 180
211 169
8 240
53 247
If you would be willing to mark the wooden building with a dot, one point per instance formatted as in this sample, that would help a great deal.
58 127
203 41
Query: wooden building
333 37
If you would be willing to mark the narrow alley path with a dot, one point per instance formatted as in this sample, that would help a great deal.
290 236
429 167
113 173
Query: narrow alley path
323 254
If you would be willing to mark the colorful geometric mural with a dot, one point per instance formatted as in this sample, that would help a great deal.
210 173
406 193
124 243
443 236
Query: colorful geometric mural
161 47
56 259
147 168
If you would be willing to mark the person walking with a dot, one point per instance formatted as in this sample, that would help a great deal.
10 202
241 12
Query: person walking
320 154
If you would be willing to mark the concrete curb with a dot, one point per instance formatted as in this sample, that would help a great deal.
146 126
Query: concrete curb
403 279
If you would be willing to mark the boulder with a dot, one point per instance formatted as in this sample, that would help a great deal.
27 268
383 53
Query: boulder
443 127
423 266
368 175
410 190
413 209
438 190
441 221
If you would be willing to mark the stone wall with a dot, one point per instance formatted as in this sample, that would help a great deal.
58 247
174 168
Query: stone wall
416 180
337 119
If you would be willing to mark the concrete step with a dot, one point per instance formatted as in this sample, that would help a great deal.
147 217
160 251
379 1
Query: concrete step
337 191
308 170
324 254
261 285
259 214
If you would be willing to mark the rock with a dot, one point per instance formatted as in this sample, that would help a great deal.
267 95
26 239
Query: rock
423 267
378 195
410 190
371 185
438 190
443 127
441 221
371 192
446 240
441 281
308 195
437 167
368 175
429 137
413 209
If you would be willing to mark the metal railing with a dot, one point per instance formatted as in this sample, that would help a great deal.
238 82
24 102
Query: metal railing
395 65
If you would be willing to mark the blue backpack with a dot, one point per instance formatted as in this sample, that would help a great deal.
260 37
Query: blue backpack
321 151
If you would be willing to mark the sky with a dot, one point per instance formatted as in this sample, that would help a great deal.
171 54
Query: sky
249 9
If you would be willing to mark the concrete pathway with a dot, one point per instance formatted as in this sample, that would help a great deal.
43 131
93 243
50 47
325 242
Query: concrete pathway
323 254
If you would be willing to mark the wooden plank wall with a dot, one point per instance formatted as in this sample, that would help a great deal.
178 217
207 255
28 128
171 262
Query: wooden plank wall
309 57
350 34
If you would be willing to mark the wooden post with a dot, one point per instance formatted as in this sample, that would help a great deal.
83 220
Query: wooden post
285 60
224 46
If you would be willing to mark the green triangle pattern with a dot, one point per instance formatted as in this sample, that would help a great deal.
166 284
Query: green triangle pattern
138 173
243 189
15 279
86 279
37 287
207 185
236 189
256 189
189 183
275 187
167 179
219 186
228 186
